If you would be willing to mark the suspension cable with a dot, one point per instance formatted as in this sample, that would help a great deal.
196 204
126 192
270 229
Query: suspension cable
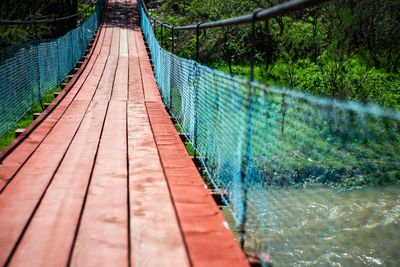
47 21
262 14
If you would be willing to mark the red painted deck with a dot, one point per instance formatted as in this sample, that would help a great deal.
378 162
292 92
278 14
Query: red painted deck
102 179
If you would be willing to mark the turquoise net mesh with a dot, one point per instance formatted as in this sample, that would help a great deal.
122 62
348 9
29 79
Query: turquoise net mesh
314 180
28 71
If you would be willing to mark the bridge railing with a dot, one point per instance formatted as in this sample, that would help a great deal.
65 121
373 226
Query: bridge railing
281 155
29 71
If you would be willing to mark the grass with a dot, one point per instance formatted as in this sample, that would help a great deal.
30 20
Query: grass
26 120
188 145
190 150
378 87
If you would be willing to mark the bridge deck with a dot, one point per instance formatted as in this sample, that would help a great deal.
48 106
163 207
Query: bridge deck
104 180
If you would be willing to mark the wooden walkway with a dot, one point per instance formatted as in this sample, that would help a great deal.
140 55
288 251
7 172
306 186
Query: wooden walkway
102 178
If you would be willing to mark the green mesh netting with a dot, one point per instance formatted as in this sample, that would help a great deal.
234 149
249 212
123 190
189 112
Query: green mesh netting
29 71
315 180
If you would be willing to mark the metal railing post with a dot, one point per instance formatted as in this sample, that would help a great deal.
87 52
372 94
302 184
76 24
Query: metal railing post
162 26
247 152
38 65
197 42
173 67
196 93
159 36
173 41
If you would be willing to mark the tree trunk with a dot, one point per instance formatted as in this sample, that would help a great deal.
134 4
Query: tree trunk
395 68
230 64
269 48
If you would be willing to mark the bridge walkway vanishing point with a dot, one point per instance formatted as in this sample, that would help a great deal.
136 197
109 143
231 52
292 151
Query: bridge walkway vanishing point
104 179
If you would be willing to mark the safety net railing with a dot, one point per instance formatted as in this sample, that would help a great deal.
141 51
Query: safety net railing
308 180
29 71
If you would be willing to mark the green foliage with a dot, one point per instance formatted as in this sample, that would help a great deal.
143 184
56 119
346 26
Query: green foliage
26 120
347 50
37 10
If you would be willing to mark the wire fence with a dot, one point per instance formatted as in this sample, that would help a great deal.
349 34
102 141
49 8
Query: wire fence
29 71
310 181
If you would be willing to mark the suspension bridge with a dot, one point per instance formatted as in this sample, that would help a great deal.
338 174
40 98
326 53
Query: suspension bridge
102 178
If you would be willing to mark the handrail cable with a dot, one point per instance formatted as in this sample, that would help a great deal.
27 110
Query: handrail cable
47 21
263 14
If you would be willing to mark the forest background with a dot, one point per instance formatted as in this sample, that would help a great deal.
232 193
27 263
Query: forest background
344 49
25 10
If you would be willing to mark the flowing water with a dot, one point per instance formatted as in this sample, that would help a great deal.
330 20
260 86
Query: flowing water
328 227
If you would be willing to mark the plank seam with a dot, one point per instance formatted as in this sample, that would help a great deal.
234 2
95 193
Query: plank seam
127 147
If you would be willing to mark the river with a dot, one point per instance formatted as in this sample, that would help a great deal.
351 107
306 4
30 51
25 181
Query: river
327 227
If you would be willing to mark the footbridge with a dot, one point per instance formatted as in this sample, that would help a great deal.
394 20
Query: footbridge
145 158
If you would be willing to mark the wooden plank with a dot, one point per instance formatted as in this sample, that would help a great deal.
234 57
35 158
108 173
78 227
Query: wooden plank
49 237
103 232
18 132
101 59
104 90
155 232
98 69
120 88
135 79
36 115
20 198
151 92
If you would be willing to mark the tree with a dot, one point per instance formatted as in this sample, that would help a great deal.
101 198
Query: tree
35 10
